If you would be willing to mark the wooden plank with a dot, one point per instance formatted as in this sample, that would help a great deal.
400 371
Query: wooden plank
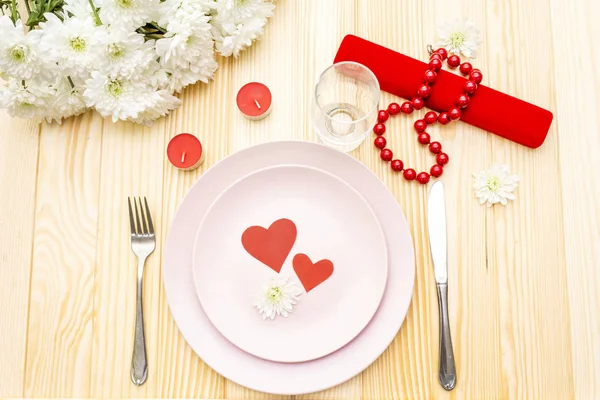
132 165
525 247
19 140
62 280
577 88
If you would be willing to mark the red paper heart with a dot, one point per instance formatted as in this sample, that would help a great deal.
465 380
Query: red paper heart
270 246
311 275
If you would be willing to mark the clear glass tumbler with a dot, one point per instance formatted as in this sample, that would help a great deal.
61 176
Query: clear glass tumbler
345 104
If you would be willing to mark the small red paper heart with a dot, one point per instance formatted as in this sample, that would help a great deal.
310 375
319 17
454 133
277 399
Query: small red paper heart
311 275
270 246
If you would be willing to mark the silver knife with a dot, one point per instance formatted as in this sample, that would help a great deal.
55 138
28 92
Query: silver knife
436 223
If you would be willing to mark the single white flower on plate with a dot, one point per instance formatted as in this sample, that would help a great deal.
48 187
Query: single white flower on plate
128 13
277 297
27 99
75 41
459 36
495 185
238 23
125 53
21 55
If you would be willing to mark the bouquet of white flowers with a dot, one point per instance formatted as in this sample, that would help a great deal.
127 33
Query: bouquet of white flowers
124 58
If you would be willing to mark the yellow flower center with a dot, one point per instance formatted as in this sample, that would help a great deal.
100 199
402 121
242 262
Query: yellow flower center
239 3
124 3
274 294
493 184
457 39
18 53
115 50
78 44
115 88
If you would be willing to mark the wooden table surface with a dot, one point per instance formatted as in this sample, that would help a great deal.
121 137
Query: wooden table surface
524 279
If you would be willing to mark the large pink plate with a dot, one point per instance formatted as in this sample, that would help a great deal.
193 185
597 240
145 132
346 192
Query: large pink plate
333 222
268 376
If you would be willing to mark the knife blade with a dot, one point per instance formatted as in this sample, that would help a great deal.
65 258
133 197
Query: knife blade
436 224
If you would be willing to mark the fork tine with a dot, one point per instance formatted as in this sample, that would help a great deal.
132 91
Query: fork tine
137 218
143 216
149 217
133 231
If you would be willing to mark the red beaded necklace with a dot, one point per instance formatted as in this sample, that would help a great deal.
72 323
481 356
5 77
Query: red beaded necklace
435 64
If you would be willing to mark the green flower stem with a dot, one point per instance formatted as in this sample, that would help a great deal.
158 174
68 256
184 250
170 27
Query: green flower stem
95 12
157 27
14 15
27 7
71 82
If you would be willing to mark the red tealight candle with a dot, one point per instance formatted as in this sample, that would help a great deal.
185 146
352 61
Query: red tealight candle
254 100
185 151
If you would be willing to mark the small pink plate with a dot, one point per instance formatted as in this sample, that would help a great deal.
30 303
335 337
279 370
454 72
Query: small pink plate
333 222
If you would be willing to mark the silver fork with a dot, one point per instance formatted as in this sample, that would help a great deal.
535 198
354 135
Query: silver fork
142 244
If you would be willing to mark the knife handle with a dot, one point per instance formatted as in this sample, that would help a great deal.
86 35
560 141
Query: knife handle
447 372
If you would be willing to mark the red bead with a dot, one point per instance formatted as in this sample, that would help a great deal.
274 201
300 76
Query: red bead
436 57
420 125
436 171
442 52
443 118
423 178
429 76
454 113
386 154
476 76
435 147
418 103
435 65
382 116
430 117
465 68
453 61
424 138
380 142
423 91
397 165
470 87
393 108
409 174
462 101
406 107
442 158
379 129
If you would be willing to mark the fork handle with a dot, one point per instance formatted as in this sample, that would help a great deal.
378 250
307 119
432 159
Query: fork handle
139 362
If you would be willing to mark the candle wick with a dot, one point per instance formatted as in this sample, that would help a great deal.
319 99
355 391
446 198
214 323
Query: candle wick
257 103
183 156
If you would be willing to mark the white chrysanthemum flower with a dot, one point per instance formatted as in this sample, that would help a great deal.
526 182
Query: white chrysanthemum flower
495 185
125 53
177 10
75 41
187 51
26 100
133 99
237 23
68 100
80 8
459 36
128 13
21 56
277 297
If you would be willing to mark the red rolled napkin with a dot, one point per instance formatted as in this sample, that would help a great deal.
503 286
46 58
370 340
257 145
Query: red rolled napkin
522 122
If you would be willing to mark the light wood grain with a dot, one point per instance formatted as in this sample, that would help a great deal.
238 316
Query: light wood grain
524 285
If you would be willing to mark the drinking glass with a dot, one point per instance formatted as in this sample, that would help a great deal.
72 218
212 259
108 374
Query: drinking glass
345 104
